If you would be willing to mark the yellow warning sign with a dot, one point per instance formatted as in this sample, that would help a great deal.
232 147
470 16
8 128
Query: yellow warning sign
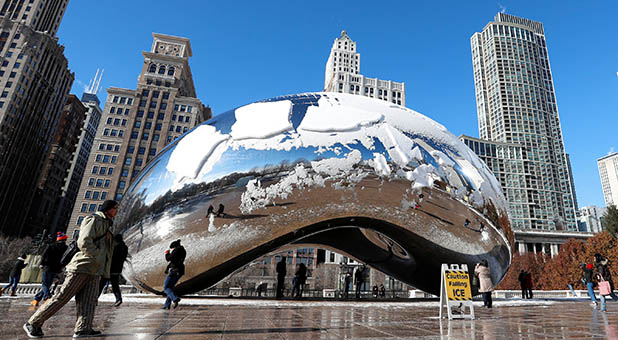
457 285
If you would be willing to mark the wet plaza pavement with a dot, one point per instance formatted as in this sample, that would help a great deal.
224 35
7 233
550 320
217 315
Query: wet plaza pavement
222 318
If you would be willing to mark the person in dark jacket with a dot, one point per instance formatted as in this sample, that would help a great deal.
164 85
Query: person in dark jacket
50 263
588 278
346 285
382 291
604 274
301 279
359 279
281 271
175 269
529 284
15 275
119 255
522 283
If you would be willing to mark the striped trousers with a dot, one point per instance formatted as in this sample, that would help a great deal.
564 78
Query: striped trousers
85 288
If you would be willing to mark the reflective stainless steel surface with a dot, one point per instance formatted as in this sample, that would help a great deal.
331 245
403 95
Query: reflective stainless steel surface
373 180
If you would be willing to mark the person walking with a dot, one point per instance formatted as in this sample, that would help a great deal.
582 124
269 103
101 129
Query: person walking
604 274
15 275
346 285
588 269
281 271
486 286
301 279
382 290
83 274
175 269
359 279
529 284
522 283
119 255
52 268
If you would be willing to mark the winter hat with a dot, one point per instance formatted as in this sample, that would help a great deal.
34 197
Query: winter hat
109 204
60 236
175 244
589 266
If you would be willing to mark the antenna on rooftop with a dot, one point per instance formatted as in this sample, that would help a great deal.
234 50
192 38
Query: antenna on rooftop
94 84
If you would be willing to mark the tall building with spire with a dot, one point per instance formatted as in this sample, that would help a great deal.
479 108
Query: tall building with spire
138 123
516 103
34 85
343 75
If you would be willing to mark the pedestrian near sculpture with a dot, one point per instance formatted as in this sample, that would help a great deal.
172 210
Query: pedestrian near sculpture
522 283
15 275
529 285
486 286
51 266
359 279
281 271
603 273
588 269
83 274
119 256
175 270
301 279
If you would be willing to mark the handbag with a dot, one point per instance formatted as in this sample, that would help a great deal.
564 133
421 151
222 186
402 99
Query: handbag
475 281
604 287
72 249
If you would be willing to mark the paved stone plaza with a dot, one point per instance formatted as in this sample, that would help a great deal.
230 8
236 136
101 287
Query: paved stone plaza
217 318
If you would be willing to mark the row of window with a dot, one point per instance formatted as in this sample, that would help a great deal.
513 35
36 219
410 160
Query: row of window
138 162
119 110
150 115
122 100
182 118
157 82
179 128
109 147
161 70
113 132
102 170
88 208
148 125
141 150
153 104
95 195
155 94
116 121
99 182
106 159
145 136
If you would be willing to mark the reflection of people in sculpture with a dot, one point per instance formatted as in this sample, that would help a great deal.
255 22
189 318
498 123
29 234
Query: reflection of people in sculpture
175 269
281 271
359 279
382 290
220 210
346 285
211 210
301 278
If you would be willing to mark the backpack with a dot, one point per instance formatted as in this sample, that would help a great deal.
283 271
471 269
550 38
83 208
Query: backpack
72 249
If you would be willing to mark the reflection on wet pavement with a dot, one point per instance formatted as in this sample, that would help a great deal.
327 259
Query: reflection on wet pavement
141 318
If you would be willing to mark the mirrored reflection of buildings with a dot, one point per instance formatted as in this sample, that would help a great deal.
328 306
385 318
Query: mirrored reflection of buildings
518 117
327 269
589 219
34 83
138 123
608 171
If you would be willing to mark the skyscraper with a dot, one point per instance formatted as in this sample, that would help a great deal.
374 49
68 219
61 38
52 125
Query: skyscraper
136 124
34 84
516 103
343 75
608 170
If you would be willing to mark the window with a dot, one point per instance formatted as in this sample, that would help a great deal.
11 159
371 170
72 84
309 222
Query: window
138 162
151 114
118 197
153 151
181 118
155 137
152 68
84 207
183 108
170 72
178 128
184 129
172 128
119 111
99 182
155 94
106 159
145 93
174 117
123 100
79 221
115 100
166 95
110 120
129 101
98 158
176 107
116 121
117 148
158 127
148 125
109 147
106 132
87 195
114 159
107 182
91 182
140 114
134 135
162 69
131 149
160 116
92 208
122 184
95 195
103 170
138 123
189 108
153 104
145 136
163 106
127 161
141 151
124 173
110 171
142 103
95 169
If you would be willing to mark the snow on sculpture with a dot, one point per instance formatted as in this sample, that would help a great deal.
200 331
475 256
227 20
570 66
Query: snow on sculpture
376 181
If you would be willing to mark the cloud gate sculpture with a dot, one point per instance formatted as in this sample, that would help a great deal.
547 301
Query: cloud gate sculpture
372 180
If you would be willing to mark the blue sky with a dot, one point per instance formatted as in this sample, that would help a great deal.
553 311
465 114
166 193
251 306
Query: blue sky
245 51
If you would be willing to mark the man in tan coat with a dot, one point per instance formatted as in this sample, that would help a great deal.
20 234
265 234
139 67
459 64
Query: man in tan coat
83 274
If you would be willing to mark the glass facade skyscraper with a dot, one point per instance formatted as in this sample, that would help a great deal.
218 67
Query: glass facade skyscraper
516 104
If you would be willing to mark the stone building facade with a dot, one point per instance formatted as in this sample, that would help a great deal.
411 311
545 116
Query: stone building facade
343 75
138 123
34 84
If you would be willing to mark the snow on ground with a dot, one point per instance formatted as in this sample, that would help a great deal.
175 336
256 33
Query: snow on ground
213 301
